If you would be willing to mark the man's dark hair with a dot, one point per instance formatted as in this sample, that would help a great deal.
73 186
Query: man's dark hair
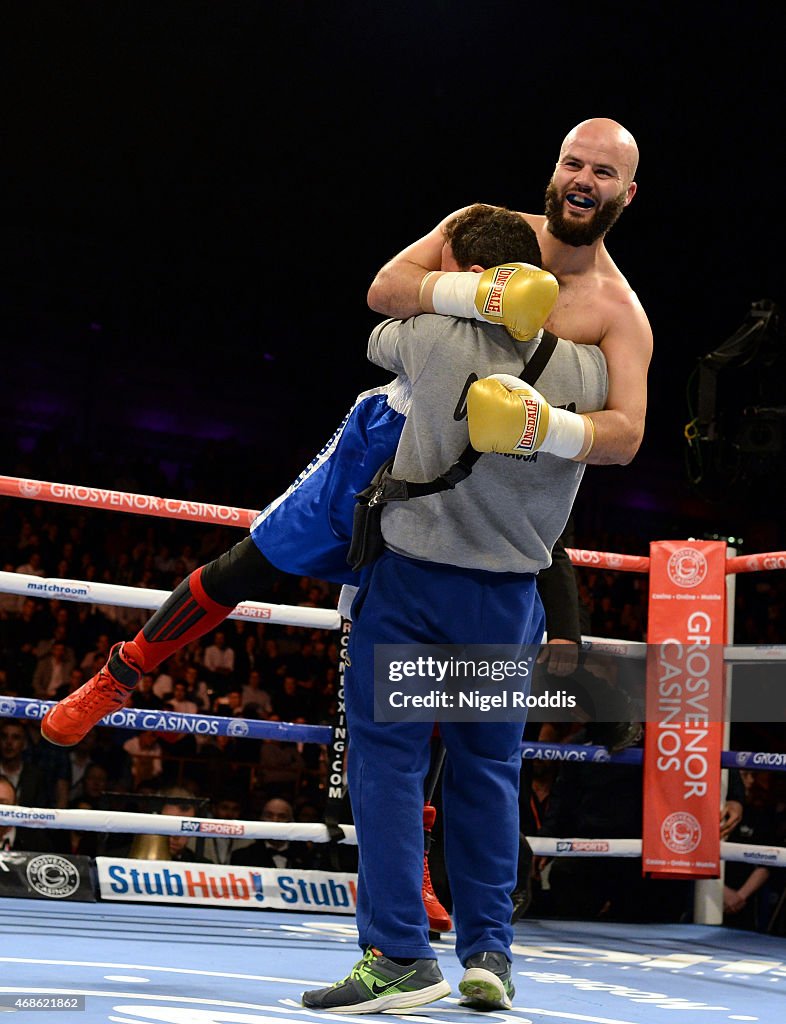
178 796
486 236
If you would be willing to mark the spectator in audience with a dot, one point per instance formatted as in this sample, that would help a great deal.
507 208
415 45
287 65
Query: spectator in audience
26 777
99 654
58 633
143 696
75 680
22 633
82 842
219 849
180 803
743 905
53 766
53 674
80 758
165 565
286 699
180 702
13 838
275 853
282 766
94 784
229 703
537 780
178 750
145 753
33 566
196 687
254 694
223 763
273 662
219 661
247 655
734 805
187 558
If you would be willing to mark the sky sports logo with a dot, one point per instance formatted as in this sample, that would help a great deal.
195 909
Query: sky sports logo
582 846
212 828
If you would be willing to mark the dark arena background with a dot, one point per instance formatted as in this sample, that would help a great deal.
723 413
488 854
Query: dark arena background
196 196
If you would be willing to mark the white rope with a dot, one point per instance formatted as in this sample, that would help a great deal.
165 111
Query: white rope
296 615
543 846
313 832
136 597
636 649
166 824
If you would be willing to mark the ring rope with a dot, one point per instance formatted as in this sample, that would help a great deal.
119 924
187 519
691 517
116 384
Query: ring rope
136 597
158 720
245 728
126 501
635 755
168 824
173 825
608 560
229 515
637 649
49 588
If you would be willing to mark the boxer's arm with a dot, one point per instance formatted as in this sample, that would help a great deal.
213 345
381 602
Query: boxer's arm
506 415
395 291
619 426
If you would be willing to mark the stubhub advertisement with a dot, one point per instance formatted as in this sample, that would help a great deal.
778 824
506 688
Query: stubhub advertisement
151 881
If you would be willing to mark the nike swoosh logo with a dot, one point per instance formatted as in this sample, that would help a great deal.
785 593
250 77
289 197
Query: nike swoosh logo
378 989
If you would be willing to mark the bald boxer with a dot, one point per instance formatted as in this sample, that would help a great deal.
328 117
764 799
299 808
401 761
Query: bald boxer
592 183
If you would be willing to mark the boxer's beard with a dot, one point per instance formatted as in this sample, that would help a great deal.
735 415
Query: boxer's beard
583 232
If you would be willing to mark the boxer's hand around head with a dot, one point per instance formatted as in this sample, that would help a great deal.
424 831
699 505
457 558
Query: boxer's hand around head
516 295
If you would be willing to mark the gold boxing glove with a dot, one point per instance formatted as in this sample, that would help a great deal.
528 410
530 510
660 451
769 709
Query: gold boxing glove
506 415
516 295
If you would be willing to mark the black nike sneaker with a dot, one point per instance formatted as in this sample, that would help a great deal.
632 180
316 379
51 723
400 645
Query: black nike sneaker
376 983
487 983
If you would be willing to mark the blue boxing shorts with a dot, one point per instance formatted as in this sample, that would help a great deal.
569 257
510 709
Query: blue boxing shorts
306 531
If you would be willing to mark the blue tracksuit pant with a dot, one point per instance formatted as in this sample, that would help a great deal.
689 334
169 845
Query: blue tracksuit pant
402 600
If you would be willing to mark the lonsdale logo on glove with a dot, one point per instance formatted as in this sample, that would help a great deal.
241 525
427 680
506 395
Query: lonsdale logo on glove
516 295
493 304
526 442
504 415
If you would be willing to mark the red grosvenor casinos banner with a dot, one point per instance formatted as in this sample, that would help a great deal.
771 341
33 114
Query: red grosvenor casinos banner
684 729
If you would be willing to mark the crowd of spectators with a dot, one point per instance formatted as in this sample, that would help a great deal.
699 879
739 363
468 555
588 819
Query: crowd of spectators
253 670
257 670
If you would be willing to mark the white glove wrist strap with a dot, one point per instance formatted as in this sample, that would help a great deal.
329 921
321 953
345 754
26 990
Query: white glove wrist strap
565 436
454 294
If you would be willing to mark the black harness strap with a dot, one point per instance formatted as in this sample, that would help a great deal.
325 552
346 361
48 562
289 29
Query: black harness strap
390 489
367 543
